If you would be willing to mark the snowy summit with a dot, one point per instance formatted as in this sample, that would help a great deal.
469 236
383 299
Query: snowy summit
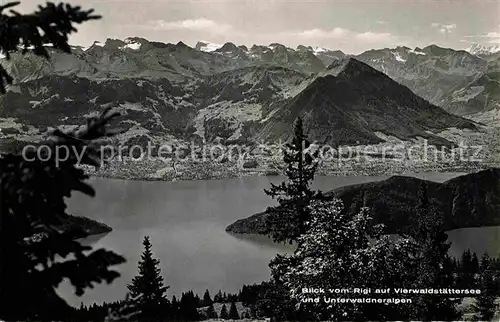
477 49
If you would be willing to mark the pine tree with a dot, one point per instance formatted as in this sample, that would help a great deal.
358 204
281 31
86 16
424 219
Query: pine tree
450 267
198 302
232 297
207 300
147 288
244 295
253 312
287 221
218 297
474 264
233 312
174 308
223 312
466 277
466 261
485 305
211 314
272 299
433 261
340 249
188 306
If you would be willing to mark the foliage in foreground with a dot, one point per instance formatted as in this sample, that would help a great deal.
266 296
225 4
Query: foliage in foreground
271 299
432 264
489 283
35 256
338 251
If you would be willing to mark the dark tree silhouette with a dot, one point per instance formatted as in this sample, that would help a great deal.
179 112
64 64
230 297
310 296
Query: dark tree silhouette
233 312
485 305
207 300
474 264
466 275
434 265
218 297
223 312
211 314
32 192
197 301
188 305
174 308
32 208
147 289
286 221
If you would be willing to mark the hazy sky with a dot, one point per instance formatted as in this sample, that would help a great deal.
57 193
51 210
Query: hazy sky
350 25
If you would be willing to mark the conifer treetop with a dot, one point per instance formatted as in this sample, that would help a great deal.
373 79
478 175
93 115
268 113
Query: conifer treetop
233 312
287 220
148 287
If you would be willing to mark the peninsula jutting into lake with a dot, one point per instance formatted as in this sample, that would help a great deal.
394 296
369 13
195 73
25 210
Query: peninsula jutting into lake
392 202
319 161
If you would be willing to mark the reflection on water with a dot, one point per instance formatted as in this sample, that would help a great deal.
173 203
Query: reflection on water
186 222
264 242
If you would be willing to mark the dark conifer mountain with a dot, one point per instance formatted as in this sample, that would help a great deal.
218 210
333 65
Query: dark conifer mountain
471 200
353 102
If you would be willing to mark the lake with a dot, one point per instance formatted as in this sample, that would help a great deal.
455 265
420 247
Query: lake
186 221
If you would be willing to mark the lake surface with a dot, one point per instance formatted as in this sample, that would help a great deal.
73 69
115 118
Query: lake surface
186 221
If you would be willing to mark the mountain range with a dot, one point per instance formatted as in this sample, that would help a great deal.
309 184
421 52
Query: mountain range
233 93
483 50
460 81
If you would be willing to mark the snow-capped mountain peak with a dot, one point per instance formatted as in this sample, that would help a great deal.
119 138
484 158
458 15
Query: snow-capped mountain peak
318 50
417 51
98 43
131 43
477 49
207 46
398 57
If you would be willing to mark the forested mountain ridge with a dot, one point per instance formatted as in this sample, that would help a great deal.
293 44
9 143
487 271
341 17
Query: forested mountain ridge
470 200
